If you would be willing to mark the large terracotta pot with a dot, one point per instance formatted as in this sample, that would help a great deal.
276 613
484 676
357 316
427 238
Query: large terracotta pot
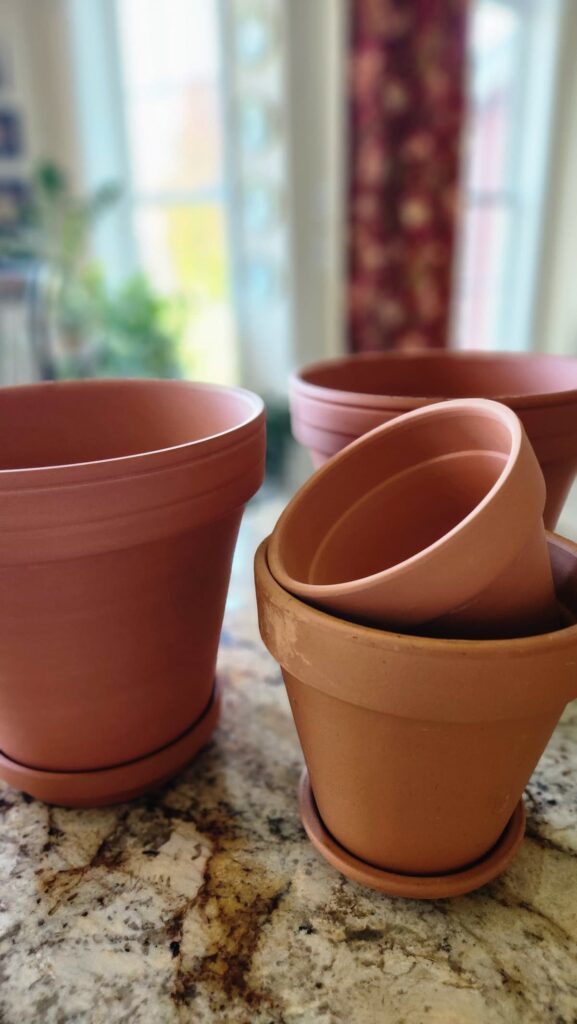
418 749
333 402
120 503
433 519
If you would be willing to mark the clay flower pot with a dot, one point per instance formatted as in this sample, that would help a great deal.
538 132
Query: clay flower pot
120 503
418 749
431 520
333 402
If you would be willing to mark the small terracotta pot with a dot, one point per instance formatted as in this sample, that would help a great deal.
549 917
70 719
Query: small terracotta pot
433 519
333 402
120 503
418 749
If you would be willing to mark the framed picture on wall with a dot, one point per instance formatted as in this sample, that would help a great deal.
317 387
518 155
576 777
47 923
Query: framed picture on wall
13 200
11 142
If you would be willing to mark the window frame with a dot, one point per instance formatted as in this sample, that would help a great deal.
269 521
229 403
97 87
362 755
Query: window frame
524 193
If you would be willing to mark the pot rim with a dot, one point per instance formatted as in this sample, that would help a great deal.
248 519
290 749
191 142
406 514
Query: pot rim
415 677
245 446
550 446
478 520
190 449
346 410
301 384
431 646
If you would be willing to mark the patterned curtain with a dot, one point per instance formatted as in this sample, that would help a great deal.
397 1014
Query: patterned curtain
407 107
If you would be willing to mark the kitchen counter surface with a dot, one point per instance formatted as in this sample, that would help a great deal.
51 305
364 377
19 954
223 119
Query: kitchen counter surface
204 902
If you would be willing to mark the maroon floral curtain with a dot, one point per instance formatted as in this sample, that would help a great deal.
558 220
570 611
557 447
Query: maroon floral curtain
407 106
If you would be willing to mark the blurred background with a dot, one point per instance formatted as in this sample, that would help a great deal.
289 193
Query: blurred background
226 189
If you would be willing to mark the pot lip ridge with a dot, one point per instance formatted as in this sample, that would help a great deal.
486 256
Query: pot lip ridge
254 419
300 384
112 469
452 537
432 647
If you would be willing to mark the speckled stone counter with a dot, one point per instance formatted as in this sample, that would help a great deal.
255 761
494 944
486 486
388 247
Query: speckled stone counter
204 902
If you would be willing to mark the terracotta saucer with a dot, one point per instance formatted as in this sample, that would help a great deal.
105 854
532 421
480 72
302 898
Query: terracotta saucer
423 887
121 782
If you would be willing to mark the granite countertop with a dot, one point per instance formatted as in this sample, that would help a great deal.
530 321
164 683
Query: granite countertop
205 902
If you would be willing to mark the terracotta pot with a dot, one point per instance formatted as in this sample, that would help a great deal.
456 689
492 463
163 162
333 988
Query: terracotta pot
434 518
120 503
334 401
329 431
418 749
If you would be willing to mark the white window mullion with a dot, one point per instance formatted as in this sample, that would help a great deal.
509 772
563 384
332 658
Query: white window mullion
101 127
513 53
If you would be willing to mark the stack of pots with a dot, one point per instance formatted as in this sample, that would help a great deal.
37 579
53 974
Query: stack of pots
424 624
120 503
336 401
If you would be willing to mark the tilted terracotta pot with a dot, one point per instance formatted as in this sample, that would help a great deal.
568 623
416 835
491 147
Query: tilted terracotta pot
333 402
120 503
418 749
433 519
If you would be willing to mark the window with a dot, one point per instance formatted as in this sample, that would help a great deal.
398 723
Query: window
184 103
174 101
170 71
513 46
224 120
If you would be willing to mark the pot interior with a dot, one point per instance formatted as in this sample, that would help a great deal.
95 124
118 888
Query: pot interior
398 493
446 375
87 421
404 516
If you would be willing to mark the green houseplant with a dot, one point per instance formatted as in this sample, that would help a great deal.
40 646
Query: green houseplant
96 329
